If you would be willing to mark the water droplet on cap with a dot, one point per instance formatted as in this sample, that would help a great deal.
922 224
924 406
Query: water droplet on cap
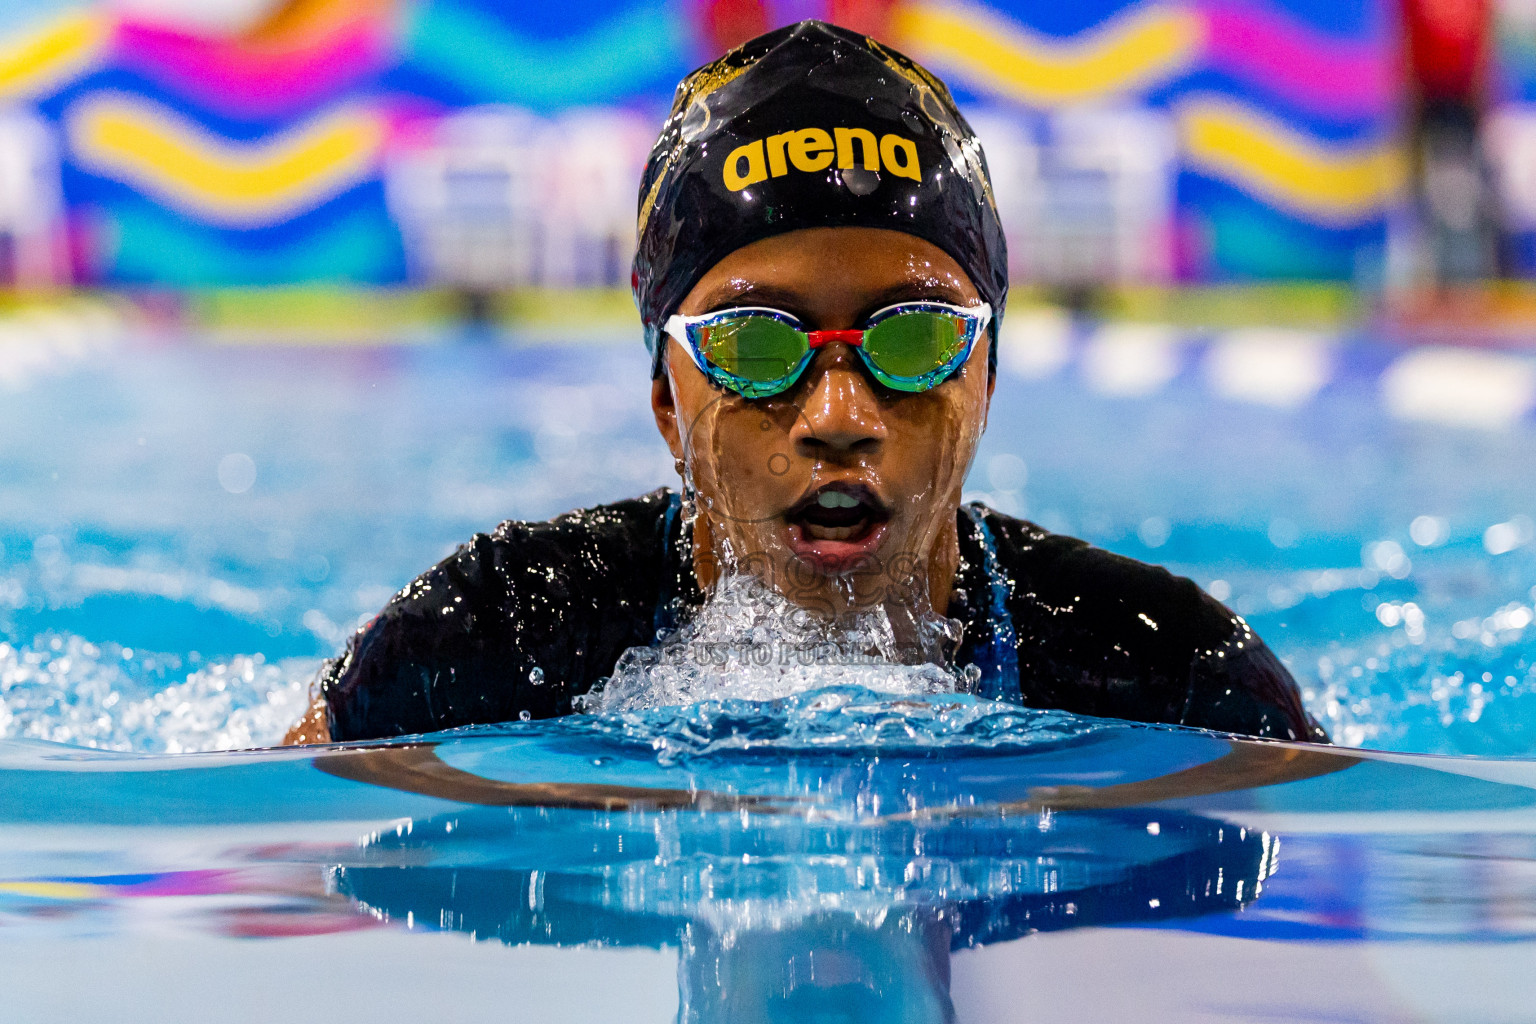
695 121
859 181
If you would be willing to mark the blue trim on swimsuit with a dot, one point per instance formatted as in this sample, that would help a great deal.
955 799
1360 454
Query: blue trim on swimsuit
999 659
665 618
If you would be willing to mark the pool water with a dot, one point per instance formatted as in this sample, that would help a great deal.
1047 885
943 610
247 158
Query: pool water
830 858
188 528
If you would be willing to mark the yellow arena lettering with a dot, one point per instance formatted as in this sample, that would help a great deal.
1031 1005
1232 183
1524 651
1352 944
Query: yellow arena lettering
776 165
894 146
811 150
867 145
752 153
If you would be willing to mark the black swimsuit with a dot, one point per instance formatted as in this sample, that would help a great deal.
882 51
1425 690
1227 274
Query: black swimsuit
527 617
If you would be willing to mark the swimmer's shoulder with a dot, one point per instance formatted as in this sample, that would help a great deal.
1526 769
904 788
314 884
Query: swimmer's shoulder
1071 580
518 619
528 565
1100 633
616 533
536 568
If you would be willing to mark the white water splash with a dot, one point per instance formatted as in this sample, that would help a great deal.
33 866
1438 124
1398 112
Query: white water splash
66 689
749 642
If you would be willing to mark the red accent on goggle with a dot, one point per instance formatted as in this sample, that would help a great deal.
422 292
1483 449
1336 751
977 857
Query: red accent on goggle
820 338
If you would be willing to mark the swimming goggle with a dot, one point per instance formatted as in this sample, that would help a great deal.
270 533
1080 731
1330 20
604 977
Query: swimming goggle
758 352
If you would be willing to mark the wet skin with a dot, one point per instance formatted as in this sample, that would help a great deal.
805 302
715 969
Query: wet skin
756 462
761 465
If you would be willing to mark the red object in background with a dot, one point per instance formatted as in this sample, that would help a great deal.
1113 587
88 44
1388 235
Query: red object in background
727 24
871 17
1448 42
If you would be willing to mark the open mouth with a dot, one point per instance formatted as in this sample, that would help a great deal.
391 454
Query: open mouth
837 514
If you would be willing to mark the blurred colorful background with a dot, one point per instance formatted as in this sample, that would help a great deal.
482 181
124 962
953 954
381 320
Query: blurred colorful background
474 149
1274 268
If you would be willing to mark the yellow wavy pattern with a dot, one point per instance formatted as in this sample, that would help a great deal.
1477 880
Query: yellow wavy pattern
1144 46
33 63
53 890
1329 184
242 183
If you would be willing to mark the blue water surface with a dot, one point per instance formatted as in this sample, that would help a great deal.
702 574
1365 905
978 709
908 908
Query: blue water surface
187 527
830 857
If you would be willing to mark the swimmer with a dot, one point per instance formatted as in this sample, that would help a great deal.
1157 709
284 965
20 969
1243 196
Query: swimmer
820 275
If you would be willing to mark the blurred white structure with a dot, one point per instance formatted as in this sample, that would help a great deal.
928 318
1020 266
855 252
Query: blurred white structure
1509 140
1086 199
496 197
32 250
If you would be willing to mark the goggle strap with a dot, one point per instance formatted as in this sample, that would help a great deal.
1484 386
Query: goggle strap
677 327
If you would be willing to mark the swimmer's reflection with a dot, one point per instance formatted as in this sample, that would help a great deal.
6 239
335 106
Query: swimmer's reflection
779 919
888 967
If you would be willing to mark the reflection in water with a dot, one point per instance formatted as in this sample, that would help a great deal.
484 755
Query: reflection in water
892 967
801 865
781 918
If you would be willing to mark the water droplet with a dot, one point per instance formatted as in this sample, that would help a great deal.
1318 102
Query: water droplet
525 716
695 121
859 181
536 676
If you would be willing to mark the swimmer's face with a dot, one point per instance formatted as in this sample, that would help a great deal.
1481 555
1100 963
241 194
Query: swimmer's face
839 491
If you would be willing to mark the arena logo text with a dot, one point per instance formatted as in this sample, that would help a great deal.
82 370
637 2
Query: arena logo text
813 149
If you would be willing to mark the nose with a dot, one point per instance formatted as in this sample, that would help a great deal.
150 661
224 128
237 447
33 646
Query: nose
841 415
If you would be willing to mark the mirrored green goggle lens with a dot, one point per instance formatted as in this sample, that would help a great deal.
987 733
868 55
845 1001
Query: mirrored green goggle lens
754 348
903 350
912 345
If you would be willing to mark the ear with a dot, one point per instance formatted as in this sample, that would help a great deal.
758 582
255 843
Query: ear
664 408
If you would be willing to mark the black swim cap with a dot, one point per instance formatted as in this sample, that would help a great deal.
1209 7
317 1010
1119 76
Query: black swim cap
810 126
